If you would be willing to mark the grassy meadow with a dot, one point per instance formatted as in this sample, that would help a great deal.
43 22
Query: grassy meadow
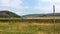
28 28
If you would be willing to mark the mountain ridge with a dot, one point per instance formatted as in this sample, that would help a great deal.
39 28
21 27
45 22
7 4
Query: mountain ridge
42 15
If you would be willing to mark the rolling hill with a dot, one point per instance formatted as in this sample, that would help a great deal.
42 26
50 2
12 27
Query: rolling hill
41 15
7 14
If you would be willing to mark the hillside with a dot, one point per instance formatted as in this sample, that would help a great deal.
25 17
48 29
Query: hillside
7 14
41 15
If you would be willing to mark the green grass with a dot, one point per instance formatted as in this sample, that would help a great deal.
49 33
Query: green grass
28 28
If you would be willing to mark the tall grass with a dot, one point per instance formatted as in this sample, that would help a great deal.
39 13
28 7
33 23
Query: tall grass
28 28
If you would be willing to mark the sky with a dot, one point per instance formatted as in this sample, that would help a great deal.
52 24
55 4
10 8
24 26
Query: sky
24 7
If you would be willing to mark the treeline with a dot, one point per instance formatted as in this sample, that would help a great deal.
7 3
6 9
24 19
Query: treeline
32 20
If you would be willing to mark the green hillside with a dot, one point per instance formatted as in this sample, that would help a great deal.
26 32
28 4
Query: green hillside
41 15
7 14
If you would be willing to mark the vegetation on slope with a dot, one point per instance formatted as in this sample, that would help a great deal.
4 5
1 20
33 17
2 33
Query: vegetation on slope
41 15
7 14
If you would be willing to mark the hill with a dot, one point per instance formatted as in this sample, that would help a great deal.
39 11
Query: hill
7 14
41 15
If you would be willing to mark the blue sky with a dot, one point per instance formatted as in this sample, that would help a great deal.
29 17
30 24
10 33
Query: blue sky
24 7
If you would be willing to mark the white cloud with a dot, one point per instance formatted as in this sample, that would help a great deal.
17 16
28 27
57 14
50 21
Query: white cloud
57 8
48 9
11 3
49 6
51 1
17 4
45 9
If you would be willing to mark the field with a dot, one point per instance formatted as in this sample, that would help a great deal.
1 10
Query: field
29 26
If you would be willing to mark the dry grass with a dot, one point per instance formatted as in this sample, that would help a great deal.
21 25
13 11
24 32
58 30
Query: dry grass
28 28
47 17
